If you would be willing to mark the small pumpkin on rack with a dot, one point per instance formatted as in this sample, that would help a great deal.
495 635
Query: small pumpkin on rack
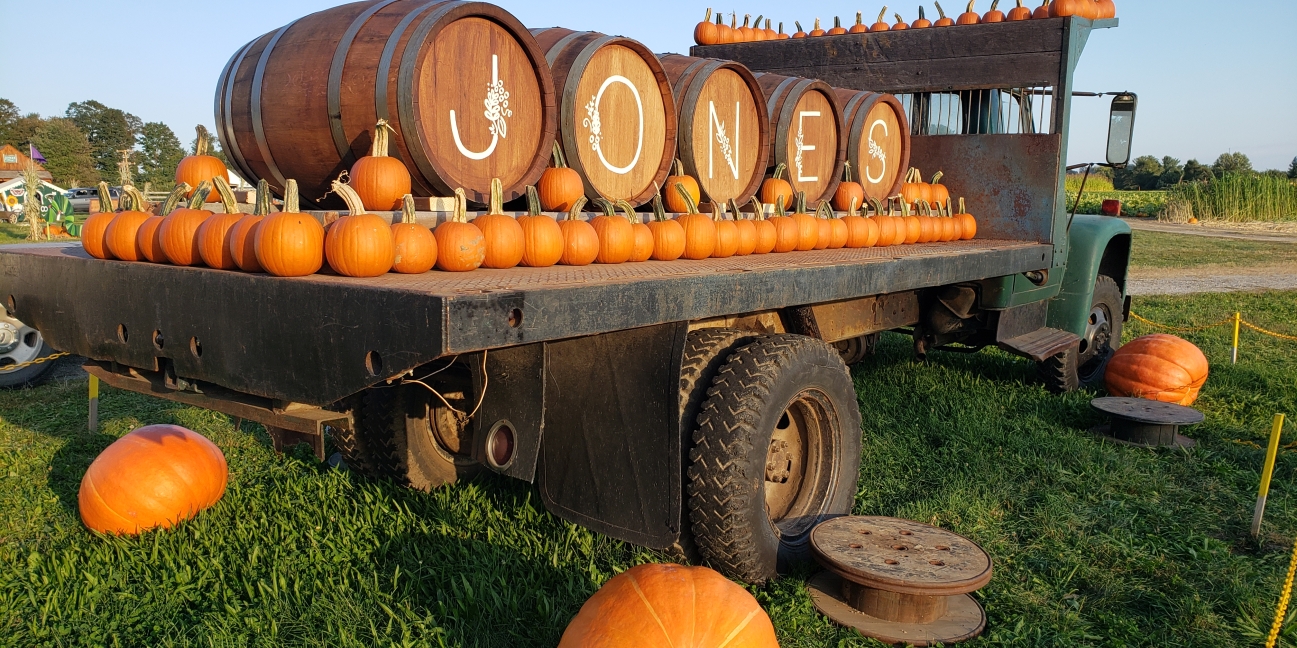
724 35
969 17
800 32
967 222
642 250
944 20
200 166
580 242
772 34
787 232
823 214
817 31
700 231
848 191
542 238
359 244
147 237
1019 13
94 230
213 234
914 190
880 25
1105 9
705 31
727 235
913 228
767 233
861 232
937 192
922 22
860 27
838 233
808 227
560 185
668 235
1042 11
1065 8
782 35
951 228
616 237
460 244
242 237
758 34
502 234
886 224
776 190
994 15
747 231
416 247
290 243
837 29
179 230
120 235
928 225
676 202
900 23
381 181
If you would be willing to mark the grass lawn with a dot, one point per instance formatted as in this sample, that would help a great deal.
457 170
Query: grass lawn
1094 544
1162 250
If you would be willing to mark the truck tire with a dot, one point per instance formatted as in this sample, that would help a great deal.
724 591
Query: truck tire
393 438
777 451
1084 366
20 343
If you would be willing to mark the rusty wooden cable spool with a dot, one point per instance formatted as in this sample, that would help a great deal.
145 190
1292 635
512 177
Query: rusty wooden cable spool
724 130
1145 423
878 140
617 116
463 84
899 581
806 120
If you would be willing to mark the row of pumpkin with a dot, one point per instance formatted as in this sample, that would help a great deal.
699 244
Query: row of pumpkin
708 32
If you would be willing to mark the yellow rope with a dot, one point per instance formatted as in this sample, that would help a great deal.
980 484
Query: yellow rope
1224 322
15 367
1283 600
1258 329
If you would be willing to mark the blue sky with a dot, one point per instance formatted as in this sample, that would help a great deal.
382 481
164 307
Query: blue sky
1212 77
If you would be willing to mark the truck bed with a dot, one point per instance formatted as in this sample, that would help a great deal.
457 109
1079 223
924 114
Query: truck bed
251 332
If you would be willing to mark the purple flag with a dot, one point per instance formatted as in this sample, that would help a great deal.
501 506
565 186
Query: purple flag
36 155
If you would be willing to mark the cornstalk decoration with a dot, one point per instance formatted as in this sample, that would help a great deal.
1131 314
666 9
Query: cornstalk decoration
31 203
124 176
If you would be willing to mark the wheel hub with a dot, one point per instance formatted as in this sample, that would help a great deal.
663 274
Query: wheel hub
8 337
1098 332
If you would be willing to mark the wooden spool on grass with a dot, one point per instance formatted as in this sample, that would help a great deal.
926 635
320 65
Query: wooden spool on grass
899 581
617 117
807 122
724 130
878 140
301 101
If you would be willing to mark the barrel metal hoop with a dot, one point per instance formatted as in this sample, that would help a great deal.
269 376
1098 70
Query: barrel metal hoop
405 97
568 111
385 70
863 102
557 48
225 118
773 99
336 69
258 128
686 77
689 103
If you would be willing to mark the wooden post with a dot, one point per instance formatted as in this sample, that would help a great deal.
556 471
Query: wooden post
1266 472
94 404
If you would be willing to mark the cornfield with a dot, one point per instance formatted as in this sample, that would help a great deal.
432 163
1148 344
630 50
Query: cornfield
1235 198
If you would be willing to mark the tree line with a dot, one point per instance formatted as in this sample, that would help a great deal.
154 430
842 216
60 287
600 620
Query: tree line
1148 173
86 144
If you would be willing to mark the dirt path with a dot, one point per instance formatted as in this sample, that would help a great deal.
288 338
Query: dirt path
1245 232
1211 279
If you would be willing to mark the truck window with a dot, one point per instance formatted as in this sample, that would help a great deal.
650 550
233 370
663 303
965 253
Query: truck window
1013 111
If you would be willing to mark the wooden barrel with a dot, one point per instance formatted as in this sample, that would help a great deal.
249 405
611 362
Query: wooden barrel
878 140
807 123
617 118
723 134
463 84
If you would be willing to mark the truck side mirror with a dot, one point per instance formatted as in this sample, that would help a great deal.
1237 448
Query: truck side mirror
1121 126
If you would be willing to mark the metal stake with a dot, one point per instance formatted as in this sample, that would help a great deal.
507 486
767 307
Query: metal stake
1238 319
1270 453
94 403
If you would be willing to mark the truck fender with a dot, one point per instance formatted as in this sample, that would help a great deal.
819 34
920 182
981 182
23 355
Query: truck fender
1096 245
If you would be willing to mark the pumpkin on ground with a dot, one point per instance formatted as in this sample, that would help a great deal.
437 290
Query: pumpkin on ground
670 605
559 185
460 245
668 235
379 179
213 234
580 241
416 247
155 476
120 237
504 238
200 167
1158 367
95 230
289 244
178 232
700 231
148 237
359 244
542 238
242 237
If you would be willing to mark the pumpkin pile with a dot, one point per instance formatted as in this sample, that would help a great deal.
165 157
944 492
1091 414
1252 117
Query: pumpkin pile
708 32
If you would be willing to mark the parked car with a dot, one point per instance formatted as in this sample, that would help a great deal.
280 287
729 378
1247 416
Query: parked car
82 198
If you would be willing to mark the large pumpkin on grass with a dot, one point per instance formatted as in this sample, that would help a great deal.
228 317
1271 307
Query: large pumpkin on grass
670 605
155 476
1158 367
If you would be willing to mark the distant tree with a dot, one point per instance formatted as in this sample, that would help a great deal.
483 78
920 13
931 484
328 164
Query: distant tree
1292 169
1143 174
67 151
15 128
1195 171
109 130
1231 163
1172 173
160 152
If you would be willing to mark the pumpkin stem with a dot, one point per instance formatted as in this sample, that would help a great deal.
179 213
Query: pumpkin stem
263 199
905 208
228 201
138 201
779 208
200 195
355 206
851 208
708 17
497 197
407 209
758 210
200 147
607 207
747 18
679 167
994 4
799 26
559 161
899 19
824 206
877 206
781 29
629 210
734 20
817 23
767 23
173 199
779 170
533 197
738 213
716 212
575 212
940 11
936 177
837 22
719 18
690 205
921 12
800 207
970 5
859 18
846 171
460 213
1020 4
961 206
379 147
105 198
882 13
756 24
290 197
659 212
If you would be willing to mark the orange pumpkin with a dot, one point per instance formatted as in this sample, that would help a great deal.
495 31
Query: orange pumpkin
776 190
837 28
242 237
860 27
359 244
838 232
781 34
155 476
937 192
880 25
913 228
900 23
808 227
848 192
416 247
146 237
670 605
559 185
1019 13
178 232
668 235
966 222
817 31
213 234
642 250
705 31
120 235
994 15
542 238
95 230
770 33
922 22
200 167
747 232
1064 8
745 32
580 241
1105 9
700 231
676 202
786 230
289 244
379 179
724 33
727 235
460 244
914 190
505 240
969 17
861 232
823 214
1042 11
944 20
1158 367
616 236
800 33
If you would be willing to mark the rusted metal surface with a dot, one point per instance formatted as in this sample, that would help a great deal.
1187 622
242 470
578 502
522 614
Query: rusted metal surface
851 318
1041 344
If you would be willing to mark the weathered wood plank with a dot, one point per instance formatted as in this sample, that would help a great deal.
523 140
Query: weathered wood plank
1002 71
